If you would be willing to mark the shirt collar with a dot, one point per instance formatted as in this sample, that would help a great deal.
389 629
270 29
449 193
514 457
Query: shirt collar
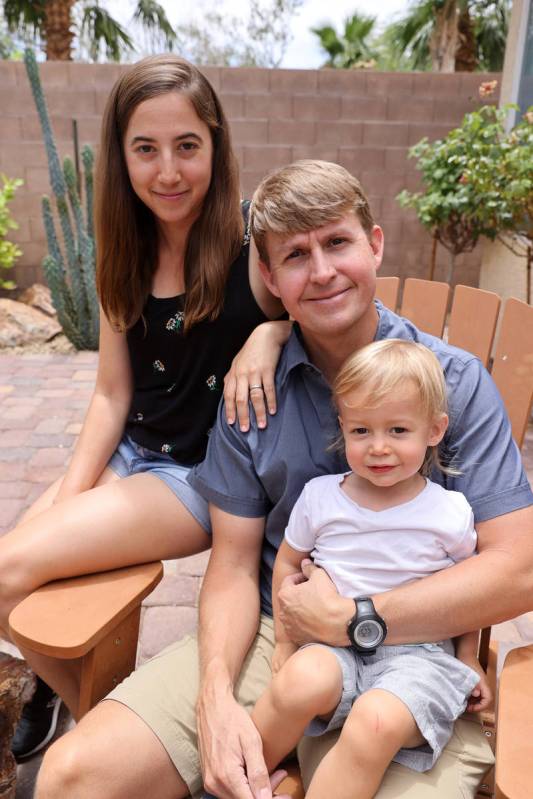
294 355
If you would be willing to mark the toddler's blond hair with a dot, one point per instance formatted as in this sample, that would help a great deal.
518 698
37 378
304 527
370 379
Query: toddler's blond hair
378 370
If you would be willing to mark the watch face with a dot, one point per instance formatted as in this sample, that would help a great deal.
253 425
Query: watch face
368 634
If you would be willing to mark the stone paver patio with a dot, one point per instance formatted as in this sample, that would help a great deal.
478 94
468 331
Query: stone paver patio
43 399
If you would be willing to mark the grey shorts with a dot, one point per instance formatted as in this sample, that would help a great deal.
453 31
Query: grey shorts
427 678
130 458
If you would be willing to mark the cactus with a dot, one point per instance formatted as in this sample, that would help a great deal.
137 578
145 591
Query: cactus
69 268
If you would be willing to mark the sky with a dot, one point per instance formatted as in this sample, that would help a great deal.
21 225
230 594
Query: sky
303 52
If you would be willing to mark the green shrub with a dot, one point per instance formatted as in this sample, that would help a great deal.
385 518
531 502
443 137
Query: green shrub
478 181
9 252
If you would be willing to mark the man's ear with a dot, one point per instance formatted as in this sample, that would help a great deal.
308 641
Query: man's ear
438 427
377 244
269 278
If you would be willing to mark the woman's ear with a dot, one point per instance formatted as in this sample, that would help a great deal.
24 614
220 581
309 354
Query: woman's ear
439 425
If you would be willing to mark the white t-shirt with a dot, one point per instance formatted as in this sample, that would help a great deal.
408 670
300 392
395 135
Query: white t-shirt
366 552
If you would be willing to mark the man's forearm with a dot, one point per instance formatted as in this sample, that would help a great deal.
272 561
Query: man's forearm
228 622
486 589
491 587
473 594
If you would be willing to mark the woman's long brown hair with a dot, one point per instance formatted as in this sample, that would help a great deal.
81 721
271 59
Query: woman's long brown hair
127 240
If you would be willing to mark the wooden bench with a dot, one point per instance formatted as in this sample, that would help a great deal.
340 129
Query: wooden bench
94 620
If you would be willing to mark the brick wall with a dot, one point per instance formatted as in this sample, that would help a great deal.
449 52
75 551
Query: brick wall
365 121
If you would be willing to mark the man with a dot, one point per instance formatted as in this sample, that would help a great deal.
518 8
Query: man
319 250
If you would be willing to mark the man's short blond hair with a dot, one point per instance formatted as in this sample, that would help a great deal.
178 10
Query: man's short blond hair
304 196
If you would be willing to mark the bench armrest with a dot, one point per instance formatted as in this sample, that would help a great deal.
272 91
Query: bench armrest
67 618
514 742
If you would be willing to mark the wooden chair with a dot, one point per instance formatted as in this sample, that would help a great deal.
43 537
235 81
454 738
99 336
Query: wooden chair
387 290
473 321
93 620
425 303
513 364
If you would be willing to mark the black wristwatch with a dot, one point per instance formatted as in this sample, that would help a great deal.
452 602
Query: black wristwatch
366 630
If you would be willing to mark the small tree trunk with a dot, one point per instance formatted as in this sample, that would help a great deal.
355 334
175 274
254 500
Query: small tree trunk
57 30
433 262
466 54
451 267
444 39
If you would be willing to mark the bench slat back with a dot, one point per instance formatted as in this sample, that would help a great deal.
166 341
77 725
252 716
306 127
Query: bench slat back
472 323
512 370
387 291
425 303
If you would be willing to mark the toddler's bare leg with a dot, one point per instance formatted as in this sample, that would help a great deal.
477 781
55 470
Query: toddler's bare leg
308 685
378 725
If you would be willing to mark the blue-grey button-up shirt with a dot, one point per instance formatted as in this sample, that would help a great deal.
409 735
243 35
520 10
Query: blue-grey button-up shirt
262 472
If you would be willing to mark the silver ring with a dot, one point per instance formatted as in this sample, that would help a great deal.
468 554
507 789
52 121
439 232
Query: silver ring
252 387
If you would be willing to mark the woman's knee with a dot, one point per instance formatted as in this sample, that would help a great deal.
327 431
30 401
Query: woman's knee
15 578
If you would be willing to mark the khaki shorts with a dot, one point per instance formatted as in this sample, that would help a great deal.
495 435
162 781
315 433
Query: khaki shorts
163 693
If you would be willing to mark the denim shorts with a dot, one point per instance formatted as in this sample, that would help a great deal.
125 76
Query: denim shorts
130 458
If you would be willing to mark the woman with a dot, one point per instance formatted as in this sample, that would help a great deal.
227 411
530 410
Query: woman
179 295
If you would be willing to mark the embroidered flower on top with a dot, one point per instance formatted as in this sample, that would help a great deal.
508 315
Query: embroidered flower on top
175 322
166 449
158 366
212 383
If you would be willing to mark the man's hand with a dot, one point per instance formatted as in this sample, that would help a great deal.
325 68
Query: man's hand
231 751
311 609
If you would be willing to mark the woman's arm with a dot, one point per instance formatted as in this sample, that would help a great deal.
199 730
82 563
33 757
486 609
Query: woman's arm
251 376
271 306
255 365
106 415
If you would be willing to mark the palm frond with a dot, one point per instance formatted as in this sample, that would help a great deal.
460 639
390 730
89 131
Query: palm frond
23 16
100 28
152 16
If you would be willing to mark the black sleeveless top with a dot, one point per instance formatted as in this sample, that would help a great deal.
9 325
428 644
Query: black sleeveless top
177 378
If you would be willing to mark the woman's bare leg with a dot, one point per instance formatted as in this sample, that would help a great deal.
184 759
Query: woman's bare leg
118 523
111 754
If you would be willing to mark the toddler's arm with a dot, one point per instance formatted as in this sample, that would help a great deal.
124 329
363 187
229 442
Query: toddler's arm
287 562
466 647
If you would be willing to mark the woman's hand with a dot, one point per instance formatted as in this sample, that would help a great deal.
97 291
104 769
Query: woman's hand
252 375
